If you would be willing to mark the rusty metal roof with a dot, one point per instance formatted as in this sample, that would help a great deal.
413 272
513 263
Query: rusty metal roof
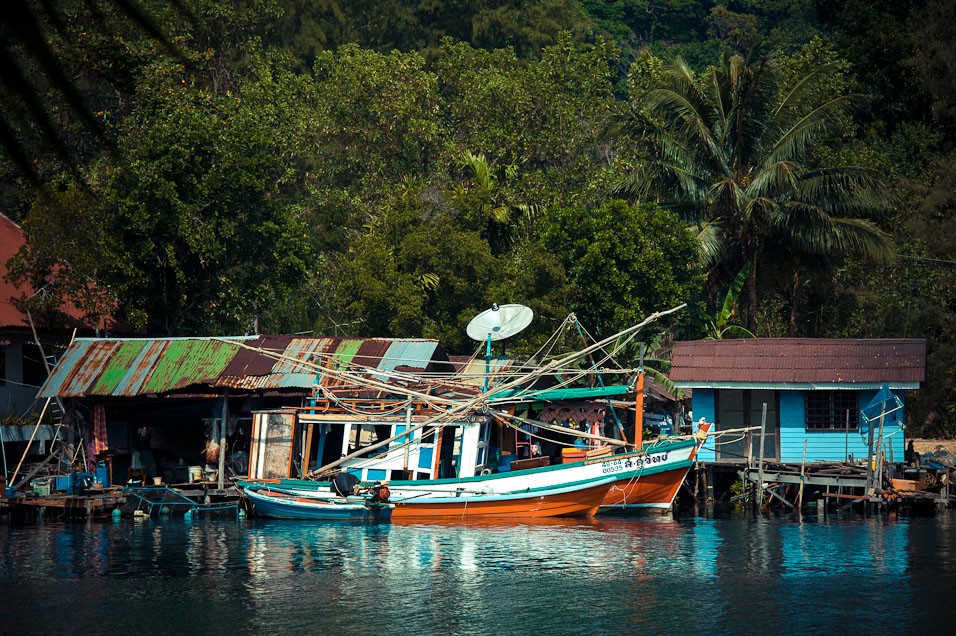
130 367
472 370
901 363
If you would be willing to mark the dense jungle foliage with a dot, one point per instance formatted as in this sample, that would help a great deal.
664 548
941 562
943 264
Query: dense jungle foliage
392 168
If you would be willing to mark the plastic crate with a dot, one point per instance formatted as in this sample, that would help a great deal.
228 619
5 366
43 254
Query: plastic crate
41 487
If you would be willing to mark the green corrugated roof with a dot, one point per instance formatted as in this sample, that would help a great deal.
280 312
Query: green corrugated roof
185 360
346 351
117 367
111 367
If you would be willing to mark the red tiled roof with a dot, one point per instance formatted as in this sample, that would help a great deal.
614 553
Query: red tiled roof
11 239
799 361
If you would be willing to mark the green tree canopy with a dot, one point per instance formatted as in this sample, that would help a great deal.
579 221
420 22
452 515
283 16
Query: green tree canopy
194 216
732 150
624 261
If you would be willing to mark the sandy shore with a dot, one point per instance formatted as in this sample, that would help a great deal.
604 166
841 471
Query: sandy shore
929 445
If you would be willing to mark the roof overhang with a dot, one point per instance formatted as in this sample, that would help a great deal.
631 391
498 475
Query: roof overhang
784 386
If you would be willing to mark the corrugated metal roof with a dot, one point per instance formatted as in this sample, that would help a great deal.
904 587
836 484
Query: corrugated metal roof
122 367
775 361
471 370
369 353
129 367
574 393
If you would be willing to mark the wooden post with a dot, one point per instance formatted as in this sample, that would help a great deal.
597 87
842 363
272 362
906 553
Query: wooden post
222 440
27 449
880 450
803 464
709 483
869 462
749 448
639 411
696 483
763 435
846 438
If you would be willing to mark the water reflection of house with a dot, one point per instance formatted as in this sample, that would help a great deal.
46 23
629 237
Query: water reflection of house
813 390
158 404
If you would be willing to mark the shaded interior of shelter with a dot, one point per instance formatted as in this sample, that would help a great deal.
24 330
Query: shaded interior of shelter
163 438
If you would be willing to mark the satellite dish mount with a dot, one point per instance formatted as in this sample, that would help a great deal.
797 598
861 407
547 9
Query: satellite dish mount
498 323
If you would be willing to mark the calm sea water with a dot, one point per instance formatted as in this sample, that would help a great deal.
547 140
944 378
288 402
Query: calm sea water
725 572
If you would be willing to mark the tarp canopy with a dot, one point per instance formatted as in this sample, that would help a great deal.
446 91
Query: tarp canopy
554 395
17 433
886 405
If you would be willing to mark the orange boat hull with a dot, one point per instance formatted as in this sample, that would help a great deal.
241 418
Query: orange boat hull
580 503
649 491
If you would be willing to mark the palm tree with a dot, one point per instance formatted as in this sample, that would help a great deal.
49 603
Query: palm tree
731 149
488 199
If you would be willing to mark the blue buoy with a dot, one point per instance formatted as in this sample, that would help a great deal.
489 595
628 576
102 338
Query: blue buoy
116 514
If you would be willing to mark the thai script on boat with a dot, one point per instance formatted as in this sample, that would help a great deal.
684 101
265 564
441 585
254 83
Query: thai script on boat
632 463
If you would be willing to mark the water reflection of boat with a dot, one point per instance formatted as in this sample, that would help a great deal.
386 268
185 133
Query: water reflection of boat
281 504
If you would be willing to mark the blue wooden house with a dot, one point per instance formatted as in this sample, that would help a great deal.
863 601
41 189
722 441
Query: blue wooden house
813 389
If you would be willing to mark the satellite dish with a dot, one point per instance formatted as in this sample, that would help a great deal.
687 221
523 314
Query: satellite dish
499 322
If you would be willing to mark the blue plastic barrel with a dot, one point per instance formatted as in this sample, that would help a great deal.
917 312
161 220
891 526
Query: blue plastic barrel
504 464
103 475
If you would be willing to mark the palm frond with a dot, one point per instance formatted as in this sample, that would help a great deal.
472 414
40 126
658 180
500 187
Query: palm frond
21 22
813 231
796 136
665 382
714 246
738 332
773 180
479 168
844 190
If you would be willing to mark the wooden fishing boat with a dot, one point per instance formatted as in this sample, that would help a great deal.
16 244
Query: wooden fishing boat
532 503
447 448
275 503
576 488
445 499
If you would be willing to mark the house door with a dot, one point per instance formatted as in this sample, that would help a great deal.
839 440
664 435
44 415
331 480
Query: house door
738 408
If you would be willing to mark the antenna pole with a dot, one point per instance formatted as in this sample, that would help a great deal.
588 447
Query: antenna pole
487 361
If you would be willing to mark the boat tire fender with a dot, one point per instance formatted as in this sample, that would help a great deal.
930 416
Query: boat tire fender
344 484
